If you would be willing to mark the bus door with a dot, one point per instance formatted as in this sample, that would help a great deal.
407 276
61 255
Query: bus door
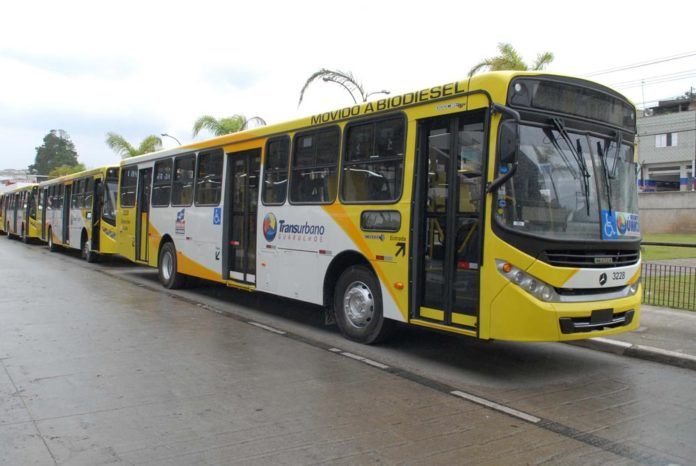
67 200
239 226
449 236
142 215
97 202
43 205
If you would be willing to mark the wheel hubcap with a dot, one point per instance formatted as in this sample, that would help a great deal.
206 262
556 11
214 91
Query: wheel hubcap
358 304
167 266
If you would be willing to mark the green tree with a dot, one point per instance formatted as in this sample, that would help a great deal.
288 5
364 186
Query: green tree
57 150
125 149
227 125
345 79
510 59
66 170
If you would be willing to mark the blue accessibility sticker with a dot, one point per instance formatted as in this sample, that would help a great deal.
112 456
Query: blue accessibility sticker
217 215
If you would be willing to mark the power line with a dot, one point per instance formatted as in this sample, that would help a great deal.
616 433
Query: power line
649 79
641 64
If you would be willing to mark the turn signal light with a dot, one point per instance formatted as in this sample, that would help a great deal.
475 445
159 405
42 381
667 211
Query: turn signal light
399 286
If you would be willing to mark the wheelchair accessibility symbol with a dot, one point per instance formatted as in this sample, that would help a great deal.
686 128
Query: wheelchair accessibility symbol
609 228
217 215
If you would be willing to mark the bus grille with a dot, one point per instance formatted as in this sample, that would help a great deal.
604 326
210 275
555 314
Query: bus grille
591 259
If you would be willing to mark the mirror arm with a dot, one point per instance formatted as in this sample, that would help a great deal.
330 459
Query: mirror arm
496 183
497 108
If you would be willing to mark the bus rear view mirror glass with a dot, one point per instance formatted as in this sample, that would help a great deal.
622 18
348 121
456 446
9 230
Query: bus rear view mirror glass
508 142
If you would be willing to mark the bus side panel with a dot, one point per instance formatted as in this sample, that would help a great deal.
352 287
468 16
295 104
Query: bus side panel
125 236
294 257
204 239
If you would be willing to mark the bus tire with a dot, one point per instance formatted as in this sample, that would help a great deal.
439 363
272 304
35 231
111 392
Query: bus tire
167 268
51 245
87 253
358 307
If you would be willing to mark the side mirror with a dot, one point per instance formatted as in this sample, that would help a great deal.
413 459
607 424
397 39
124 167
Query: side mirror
508 141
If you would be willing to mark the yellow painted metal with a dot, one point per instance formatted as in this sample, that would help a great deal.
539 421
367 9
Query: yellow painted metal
434 314
462 319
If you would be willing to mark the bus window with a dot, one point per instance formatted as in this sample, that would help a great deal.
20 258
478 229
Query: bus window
32 197
314 162
75 200
59 196
129 181
209 178
162 185
275 171
182 186
110 192
89 193
373 162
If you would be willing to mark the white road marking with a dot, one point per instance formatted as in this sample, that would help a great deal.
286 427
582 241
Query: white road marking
370 362
266 327
496 406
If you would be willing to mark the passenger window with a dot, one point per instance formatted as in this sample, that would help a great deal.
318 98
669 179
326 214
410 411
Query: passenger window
129 182
209 178
374 162
89 193
275 171
314 167
162 184
182 186
75 200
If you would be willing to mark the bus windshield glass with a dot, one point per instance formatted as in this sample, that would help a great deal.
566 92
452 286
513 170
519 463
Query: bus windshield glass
569 186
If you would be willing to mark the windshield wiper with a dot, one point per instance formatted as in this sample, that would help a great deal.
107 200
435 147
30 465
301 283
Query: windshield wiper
603 154
579 159
619 138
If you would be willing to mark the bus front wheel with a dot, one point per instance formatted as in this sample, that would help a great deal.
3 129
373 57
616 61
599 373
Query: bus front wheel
168 274
51 245
87 253
358 307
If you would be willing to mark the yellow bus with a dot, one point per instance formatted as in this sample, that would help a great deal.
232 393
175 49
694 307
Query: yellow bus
78 211
2 214
19 214
503 206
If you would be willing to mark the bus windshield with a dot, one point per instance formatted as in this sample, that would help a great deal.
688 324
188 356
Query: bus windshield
570 186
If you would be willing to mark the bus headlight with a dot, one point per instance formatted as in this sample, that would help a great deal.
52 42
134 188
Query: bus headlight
633 287
534 286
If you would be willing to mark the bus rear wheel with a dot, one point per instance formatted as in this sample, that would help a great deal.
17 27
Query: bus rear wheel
358 307
167 267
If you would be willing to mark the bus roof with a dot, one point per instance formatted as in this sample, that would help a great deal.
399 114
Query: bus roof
494 83
74 176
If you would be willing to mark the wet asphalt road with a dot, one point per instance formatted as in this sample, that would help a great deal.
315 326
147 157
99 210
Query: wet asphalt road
102 365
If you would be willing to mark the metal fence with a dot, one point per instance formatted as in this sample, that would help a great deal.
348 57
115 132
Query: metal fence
669 285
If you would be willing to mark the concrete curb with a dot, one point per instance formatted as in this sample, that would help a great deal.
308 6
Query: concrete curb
649 353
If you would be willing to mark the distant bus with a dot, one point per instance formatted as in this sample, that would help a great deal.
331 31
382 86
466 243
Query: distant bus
501 207
19 213
78 211
2 214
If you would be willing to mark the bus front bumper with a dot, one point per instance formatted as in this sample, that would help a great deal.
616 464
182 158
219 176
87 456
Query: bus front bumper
518 316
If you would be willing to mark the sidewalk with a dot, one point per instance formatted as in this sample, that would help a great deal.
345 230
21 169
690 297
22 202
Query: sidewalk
665 335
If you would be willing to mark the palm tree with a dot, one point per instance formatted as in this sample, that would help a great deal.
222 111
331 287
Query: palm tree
222 126
510 59
345 79
123 148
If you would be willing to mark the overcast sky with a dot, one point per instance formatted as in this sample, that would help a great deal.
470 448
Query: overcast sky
140 68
